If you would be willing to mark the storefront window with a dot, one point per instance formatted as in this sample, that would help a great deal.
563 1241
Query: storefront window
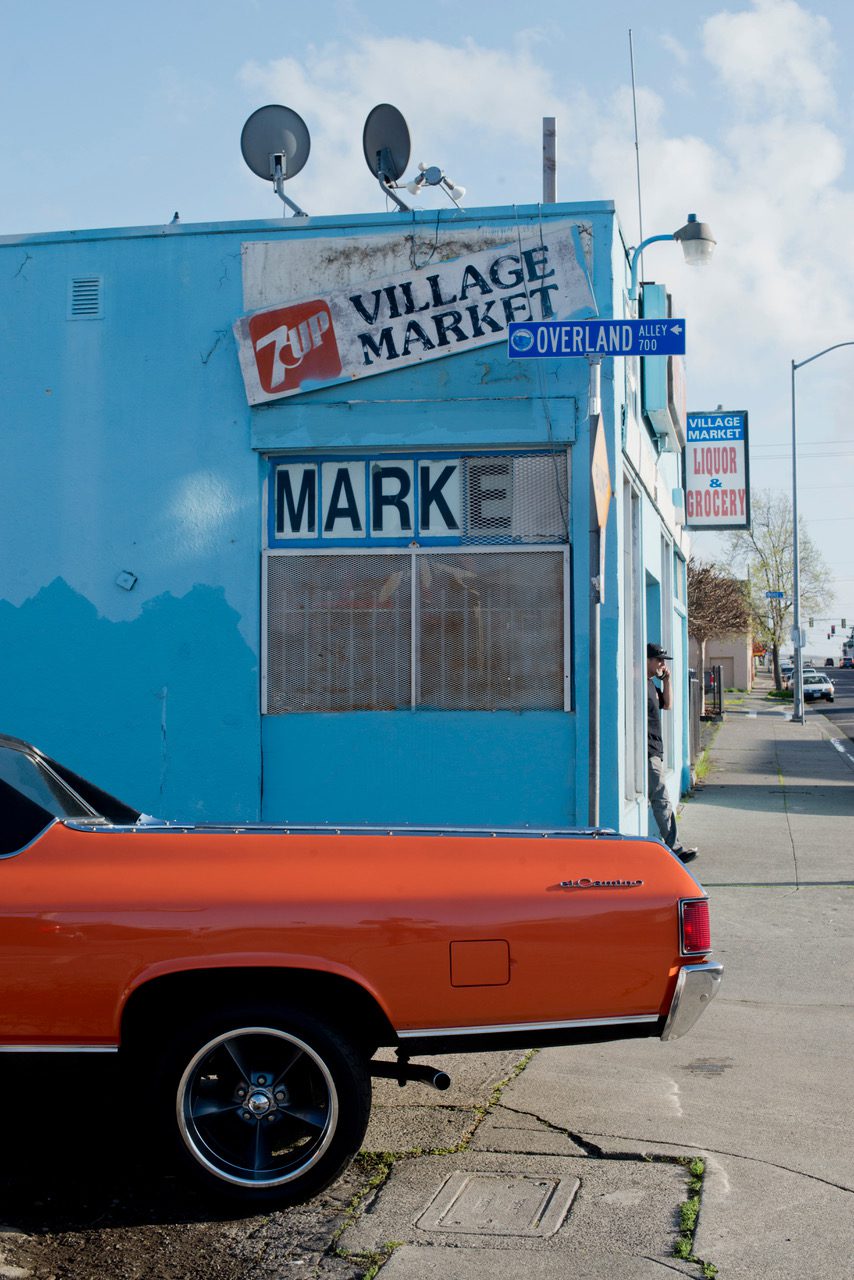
477 627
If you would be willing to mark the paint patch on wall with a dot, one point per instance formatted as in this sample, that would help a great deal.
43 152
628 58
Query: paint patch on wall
162 710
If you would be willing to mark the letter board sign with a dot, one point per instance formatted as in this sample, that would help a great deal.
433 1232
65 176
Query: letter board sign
717 480
356 501
430 499
419 313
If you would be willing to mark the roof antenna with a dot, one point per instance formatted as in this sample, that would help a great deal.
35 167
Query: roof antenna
637 145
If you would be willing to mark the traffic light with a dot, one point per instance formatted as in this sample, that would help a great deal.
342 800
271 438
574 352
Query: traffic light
844 624
833 629
810 621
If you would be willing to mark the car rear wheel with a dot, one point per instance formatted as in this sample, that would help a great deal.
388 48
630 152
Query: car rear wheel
269 1105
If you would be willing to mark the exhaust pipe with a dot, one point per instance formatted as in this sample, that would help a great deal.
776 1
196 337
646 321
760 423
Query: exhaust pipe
404 1071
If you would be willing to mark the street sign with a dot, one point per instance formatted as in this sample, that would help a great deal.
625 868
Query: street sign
541 339
601 477
775 595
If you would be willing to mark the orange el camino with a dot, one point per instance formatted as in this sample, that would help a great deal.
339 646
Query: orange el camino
249 974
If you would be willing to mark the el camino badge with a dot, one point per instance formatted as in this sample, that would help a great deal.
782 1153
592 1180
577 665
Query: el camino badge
586 883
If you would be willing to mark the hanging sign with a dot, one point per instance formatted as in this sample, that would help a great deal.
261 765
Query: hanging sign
420 313
717 482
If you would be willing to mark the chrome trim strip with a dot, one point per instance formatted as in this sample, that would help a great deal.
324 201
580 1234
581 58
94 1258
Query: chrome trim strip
501 1028
59 1048
696 986
260 828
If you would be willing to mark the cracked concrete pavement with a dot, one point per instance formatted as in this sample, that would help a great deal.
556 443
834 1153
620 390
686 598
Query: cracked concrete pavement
759 1088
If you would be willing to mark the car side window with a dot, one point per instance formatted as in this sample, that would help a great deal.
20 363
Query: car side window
22 773
22 821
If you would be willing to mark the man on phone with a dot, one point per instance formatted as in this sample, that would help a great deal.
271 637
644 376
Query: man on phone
658 699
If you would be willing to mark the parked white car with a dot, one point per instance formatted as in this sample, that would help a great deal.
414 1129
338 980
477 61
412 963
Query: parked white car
787 674
817 685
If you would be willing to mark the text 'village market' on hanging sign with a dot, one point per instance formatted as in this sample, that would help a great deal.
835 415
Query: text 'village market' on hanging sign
716 471
441 309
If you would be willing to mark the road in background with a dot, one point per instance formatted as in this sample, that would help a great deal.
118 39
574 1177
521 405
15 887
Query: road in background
840 712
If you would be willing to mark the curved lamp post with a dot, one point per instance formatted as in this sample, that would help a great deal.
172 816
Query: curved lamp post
798 704
697 243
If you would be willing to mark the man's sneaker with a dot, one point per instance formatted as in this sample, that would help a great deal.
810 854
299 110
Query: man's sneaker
685 855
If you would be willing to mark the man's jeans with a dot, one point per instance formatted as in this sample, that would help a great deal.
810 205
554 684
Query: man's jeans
660 801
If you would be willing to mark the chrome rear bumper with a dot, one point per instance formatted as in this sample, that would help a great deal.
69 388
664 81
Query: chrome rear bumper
696 987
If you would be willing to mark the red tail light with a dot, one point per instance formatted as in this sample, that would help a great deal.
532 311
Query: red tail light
696 930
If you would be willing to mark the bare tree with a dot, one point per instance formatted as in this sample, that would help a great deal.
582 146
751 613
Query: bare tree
766 551
717 605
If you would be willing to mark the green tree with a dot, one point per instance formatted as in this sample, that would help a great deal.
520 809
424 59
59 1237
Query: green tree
766 551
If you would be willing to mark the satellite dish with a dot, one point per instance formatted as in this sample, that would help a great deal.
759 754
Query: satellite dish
275 143
385 141
272 131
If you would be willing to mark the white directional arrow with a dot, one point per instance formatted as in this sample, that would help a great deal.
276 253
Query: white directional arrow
676 328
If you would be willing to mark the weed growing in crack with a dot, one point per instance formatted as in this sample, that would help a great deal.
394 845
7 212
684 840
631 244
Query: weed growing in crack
373 1261
377 1165
688 1213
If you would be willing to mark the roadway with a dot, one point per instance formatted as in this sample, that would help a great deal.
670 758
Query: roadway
840 712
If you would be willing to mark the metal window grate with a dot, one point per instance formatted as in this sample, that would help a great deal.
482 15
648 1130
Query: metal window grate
491 631
448 630
338 633
516 498
85 296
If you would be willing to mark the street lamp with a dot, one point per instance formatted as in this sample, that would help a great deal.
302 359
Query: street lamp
697 243
798 673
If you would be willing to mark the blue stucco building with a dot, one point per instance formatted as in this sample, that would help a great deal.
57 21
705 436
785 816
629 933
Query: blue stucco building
288 537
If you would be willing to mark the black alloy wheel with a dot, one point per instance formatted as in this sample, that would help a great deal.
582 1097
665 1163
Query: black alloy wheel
270 1105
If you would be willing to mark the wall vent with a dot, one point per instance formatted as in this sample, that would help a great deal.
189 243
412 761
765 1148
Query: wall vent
85 298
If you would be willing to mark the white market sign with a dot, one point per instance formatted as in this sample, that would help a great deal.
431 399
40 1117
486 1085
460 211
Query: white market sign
344 500
717 480
417 314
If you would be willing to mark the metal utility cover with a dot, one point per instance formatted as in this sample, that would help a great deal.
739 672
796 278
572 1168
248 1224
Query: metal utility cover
499 1204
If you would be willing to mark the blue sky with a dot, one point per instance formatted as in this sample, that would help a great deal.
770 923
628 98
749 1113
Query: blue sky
116 115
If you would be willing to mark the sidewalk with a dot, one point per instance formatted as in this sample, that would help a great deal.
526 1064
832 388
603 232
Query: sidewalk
573 1164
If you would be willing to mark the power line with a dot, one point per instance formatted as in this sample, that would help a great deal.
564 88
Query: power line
803 449
807 443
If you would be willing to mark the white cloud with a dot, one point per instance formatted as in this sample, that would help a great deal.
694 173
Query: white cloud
678 50
776 54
